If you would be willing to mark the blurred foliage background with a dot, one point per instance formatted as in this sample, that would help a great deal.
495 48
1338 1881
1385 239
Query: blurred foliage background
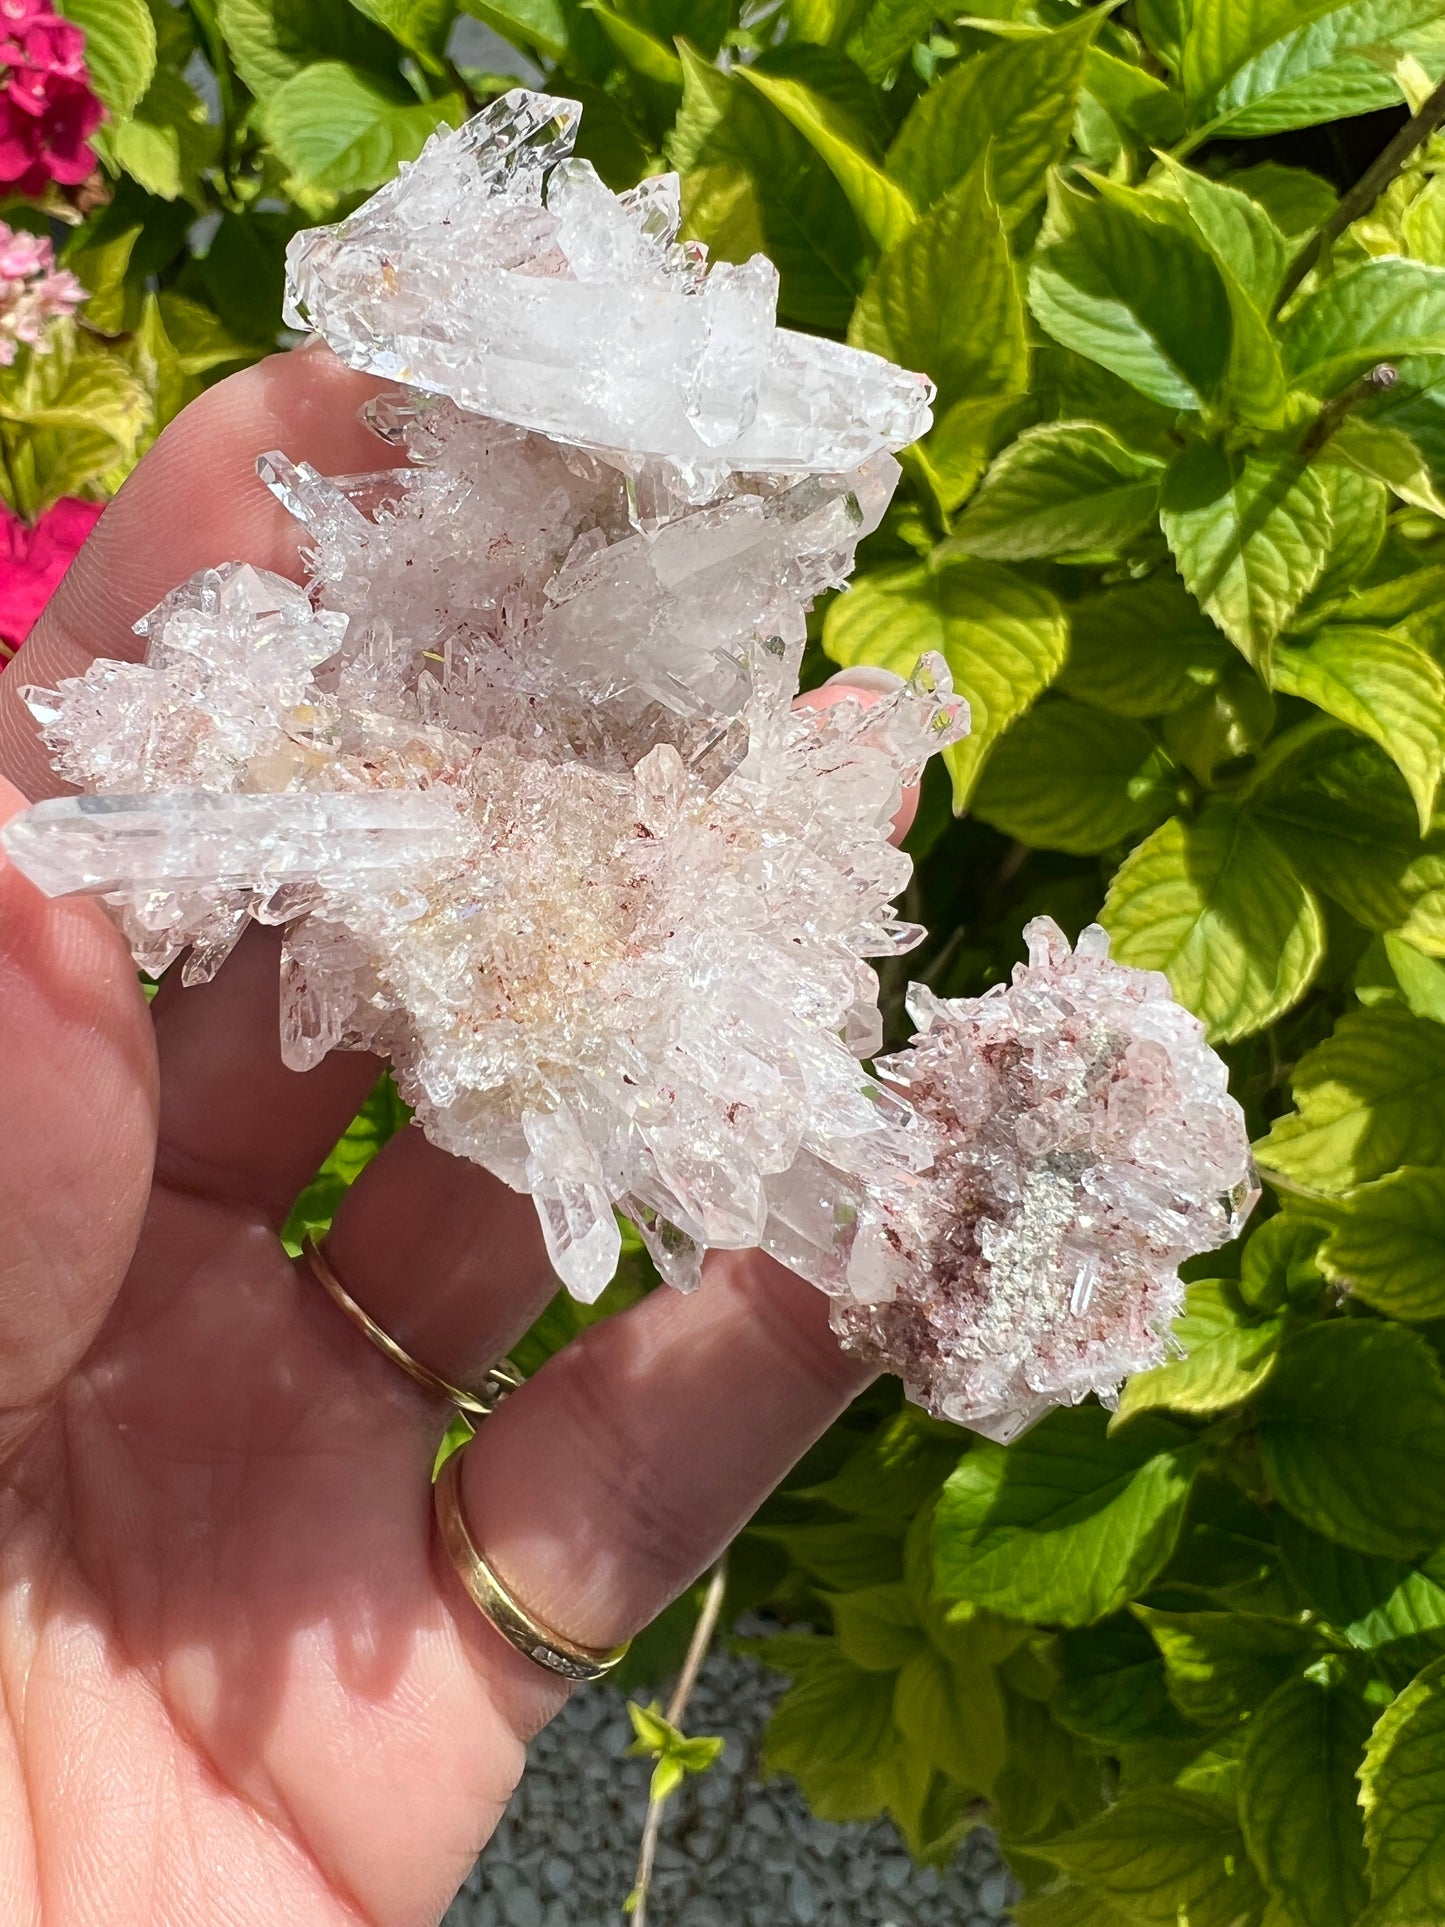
1178 270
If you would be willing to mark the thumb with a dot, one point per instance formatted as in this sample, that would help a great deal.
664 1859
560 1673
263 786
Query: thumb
77 1132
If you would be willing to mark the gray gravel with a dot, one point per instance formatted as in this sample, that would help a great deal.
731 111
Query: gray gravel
733 1852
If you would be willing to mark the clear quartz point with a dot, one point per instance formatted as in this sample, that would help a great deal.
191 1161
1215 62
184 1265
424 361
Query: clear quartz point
499 272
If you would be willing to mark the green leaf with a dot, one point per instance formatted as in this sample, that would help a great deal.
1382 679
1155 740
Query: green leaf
337 130
759 183
1228 719
1017 101
1061 488
539 25
1164 1857
896 1472
1251 535
1262 66
1250 254
882 207
1227 1353
841 1557
1351 1430
1383 686
946 299
1421 979
1402 1789
1238 231
1218 908
1370 1098
1067 1907
1296 201
1143 648
1120 282
1142 110
877 1627
1375 1603
889 29
1379 311
1070 778
120 48
956 451
953 1717
168 142
1390 456
1388 1247
272 40
1067 1523
420 25
654 1734
242 272
1359 507
82 411
1220 1665
1280 1263
1298 1803
1350 829
1113 1688
1003 639
650 58
832 1730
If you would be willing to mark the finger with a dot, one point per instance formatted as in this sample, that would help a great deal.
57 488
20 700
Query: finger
235 1123
865 684
77 1130
609 1482
448 1259
193 502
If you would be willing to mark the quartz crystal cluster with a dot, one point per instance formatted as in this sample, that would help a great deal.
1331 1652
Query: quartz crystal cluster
1084 1144
518 771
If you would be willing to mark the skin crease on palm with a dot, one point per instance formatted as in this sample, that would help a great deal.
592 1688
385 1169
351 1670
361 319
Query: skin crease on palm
238 1681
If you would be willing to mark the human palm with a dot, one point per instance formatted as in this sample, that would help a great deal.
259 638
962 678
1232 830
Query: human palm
238 1680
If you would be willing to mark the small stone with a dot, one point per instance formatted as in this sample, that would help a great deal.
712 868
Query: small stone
557 1873
524 1909
802 1900
895 1870
993 1892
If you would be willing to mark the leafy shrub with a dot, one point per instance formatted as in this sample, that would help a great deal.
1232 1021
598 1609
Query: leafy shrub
1178 531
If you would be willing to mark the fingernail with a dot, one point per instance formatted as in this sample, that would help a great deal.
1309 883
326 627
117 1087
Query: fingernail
882 682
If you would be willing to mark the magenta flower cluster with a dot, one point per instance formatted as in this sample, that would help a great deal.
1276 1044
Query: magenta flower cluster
47 109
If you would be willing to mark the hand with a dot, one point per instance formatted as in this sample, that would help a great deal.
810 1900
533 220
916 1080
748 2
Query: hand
238 1679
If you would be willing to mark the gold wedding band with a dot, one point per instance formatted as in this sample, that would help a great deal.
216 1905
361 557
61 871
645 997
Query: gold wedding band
499 1605
478 1403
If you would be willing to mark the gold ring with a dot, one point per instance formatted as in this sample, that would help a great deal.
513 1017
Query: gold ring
480 1403
499 1605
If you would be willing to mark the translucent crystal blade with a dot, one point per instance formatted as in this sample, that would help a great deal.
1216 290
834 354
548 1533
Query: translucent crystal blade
495 272
70 845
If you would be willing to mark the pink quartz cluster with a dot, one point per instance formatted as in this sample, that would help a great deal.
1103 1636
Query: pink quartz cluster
47 109
33 291
1086 1144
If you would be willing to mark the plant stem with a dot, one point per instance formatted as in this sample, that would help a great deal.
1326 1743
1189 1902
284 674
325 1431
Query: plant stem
676 1707
1366 190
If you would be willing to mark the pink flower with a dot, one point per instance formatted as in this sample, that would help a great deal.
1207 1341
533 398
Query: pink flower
47 110
17 15
33 292
32 560
23 255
